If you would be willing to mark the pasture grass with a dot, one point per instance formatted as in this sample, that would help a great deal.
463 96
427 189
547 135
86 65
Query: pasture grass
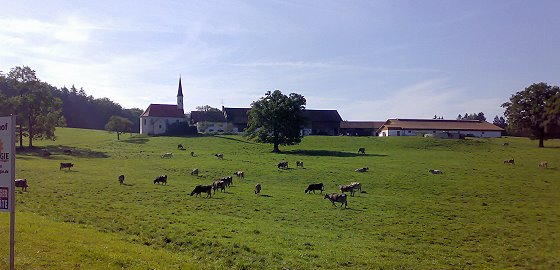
481 213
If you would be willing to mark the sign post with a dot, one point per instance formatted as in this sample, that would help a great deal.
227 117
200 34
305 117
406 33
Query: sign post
7 176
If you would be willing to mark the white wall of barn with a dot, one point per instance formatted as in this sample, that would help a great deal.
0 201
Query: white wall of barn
475 133
157 125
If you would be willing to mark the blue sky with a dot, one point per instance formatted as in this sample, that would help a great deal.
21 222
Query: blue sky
371 60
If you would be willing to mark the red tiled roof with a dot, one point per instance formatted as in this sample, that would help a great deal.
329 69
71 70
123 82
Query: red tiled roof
163 110
438 124
362 124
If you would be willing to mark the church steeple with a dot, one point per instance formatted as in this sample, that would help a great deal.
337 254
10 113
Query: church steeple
180 96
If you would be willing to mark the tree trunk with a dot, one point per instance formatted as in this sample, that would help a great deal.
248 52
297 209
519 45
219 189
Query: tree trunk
276 150
541 140
30 133
20 136
118 136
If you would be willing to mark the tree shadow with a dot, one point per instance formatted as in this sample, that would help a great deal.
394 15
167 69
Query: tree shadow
136 140
233 139
49 150
328 153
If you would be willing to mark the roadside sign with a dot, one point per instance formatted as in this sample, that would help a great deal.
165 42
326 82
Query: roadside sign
7 163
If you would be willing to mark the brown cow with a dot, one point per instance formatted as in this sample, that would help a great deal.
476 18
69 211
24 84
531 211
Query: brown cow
347 188
340 198
543 164
22 183
258 188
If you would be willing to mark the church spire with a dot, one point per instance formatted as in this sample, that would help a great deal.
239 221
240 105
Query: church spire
180 92
180 96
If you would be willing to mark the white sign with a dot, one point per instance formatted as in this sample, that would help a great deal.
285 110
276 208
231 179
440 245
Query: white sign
7 162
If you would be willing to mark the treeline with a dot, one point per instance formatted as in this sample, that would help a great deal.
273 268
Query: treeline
76 108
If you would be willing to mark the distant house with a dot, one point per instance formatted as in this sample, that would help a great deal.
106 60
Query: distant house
439 128
360 128
157 117
320 122
209 121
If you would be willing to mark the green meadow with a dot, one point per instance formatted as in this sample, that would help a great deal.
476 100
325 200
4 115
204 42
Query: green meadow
480 213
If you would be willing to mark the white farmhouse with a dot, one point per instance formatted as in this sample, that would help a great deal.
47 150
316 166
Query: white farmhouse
439 128
157 117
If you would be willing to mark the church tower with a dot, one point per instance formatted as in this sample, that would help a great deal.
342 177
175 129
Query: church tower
180 96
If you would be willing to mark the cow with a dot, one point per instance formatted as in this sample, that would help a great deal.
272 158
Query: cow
509 161
161 179
356 185
340 198
219 184
299 164
543 164
202 189
283 165
347 188
364 169
362 151
258 188
194 172
436 171
228 180
193 154
180 147
121 179
66 165
22 183
219 156
506 144
313 187
239 174
167 155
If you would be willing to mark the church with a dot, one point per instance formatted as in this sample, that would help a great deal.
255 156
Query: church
157 117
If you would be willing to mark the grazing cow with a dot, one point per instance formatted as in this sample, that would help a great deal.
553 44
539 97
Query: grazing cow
347 188
180 147
193 154
283 165
299 164
121 179
313 187
543 164
66 165
436 172
219 156
202 189
161 179
194 172
258 188
364 169
356 185
228 180
340 198
22 183
509 161
362 151
68 151
219 184
506 144
167 155
239 174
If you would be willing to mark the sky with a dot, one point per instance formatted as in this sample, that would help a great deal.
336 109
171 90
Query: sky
370 60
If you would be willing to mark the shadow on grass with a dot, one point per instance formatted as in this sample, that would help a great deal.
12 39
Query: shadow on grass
233 139
328 153
266 195
136 140
48 151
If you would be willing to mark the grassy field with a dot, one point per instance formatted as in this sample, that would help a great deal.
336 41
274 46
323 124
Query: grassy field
480 213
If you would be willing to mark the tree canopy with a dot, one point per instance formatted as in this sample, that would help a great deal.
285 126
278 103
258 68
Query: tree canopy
207 108
118 125
277 119
533 110
474 116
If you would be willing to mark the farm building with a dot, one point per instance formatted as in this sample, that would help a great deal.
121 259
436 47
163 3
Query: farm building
157 117
439 128
360 128
320 122
209 121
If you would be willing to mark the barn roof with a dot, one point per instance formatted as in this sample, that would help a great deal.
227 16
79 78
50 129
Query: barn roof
362 124
209 116
163 110
440 124
241 115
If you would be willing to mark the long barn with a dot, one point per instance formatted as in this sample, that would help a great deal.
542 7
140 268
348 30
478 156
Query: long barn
440 128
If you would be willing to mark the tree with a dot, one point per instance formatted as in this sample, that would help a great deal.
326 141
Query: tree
527 110
277 119
207 108
118 125
475 116
500 121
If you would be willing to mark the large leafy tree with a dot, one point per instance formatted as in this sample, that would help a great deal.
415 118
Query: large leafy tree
529 110
500 121
207 108
277 119
118 125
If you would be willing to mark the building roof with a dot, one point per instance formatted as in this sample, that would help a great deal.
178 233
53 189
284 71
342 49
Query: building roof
362 124
163 110
440 124
208 116
180 91
241 115
237 115
322 115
